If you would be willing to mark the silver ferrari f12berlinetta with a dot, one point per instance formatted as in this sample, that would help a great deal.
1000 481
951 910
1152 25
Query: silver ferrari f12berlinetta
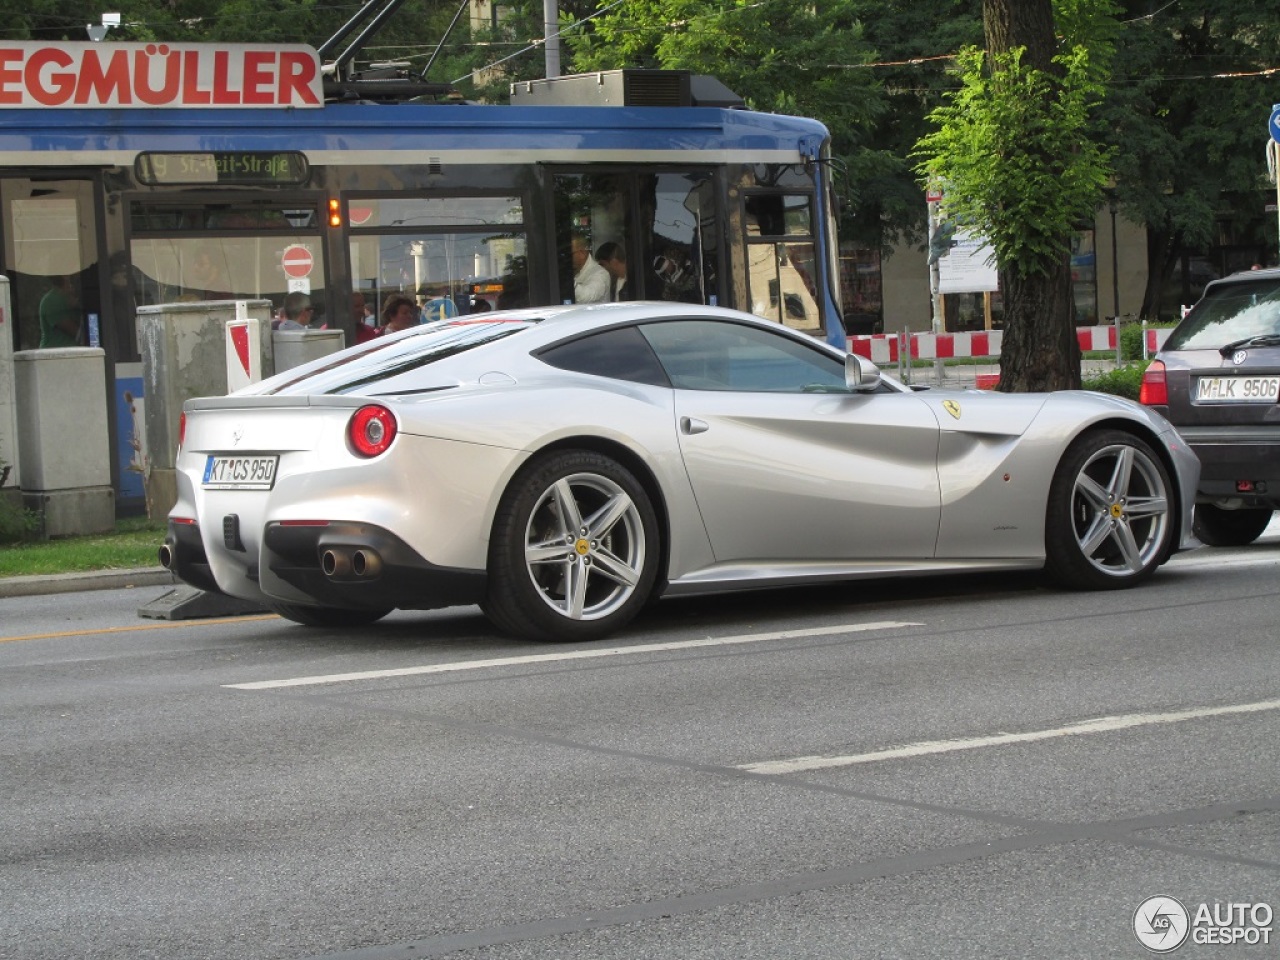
563 466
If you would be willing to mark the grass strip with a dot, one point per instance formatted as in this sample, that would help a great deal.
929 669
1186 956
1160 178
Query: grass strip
133 543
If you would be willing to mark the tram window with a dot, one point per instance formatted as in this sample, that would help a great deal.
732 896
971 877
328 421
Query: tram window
270 215
782 284
781 260
664 226
448 274
48 254
785 176
592 210
683 237
442 251
779 215
434 211
177 269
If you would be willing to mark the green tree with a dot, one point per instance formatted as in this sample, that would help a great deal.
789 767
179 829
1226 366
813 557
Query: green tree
779 56
913 68
1012 152
1186 113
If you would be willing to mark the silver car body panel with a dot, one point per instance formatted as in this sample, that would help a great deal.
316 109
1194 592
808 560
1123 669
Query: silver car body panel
754 489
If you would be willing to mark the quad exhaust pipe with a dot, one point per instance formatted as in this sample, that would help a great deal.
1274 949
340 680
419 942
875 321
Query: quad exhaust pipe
338 563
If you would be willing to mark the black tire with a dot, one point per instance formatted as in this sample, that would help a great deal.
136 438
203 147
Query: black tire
1111 517
1229 528
576 578
327 616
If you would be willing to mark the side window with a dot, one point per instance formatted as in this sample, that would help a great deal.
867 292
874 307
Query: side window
781 260
722 355
621 354
682 237
450 255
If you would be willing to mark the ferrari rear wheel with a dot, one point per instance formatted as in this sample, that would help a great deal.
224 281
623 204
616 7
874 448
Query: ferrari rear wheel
1230 528
327 616
1110 519
574 552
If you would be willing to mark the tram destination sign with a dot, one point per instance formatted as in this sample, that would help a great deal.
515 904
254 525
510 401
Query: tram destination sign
230 167
41 76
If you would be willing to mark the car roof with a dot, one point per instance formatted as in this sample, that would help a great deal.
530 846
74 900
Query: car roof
1246 276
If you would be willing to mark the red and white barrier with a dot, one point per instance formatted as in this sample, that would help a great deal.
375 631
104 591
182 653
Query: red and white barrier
1154 339
884 348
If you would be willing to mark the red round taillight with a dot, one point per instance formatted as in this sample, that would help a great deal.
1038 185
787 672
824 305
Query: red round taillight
1154 391
371 430
182 430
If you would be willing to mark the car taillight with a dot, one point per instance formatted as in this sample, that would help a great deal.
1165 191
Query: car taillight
371 430
182 430
1155 390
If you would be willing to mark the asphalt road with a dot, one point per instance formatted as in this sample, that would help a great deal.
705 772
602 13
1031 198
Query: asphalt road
977 767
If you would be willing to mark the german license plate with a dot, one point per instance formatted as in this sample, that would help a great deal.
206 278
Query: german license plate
240 473
1238 389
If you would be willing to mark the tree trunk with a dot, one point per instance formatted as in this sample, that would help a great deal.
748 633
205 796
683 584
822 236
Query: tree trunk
1035 353
1039 350
1022 23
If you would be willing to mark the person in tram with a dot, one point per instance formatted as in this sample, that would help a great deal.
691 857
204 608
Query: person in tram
590 280
366 324
297 312
613 258
398 313
60 315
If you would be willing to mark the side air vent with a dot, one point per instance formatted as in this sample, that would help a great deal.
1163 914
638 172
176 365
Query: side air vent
626 88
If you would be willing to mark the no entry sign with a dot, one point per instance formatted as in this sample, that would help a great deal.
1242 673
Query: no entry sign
297 261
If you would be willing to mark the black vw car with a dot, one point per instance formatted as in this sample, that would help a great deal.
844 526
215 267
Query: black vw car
1218 380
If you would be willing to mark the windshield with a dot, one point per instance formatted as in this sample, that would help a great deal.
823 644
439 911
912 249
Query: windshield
1228 313
386 368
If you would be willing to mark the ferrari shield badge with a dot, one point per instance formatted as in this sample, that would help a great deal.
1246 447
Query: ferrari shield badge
952 407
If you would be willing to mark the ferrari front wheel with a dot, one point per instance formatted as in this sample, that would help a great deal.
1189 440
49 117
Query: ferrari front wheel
1110 519
574 552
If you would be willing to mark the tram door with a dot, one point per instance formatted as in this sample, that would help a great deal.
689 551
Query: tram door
644 235
51 257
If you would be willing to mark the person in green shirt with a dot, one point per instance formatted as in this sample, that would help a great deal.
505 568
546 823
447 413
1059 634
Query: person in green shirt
59 318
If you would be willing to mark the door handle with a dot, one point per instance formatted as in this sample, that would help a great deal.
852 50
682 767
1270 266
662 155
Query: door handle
690 426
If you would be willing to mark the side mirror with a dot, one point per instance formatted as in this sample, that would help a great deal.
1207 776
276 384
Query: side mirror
860 374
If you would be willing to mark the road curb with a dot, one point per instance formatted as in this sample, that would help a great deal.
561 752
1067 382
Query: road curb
75 582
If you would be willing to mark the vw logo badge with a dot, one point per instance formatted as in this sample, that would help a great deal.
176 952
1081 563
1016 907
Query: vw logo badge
1239 357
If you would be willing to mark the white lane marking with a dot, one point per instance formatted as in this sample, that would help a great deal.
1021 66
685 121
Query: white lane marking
1099 725
590 654
1217 562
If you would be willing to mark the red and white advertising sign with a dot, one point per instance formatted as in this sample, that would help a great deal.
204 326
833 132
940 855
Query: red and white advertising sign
297 261
158 75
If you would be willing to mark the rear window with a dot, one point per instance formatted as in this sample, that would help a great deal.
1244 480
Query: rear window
1228 313
396 364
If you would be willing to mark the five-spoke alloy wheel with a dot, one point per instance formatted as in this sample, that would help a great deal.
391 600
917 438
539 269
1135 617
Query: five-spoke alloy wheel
1109 521
575 549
